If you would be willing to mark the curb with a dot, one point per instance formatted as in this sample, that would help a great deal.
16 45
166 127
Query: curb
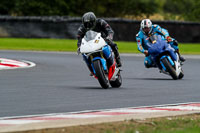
14 64
61 120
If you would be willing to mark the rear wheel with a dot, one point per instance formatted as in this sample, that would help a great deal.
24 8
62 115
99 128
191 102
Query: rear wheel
117 83
181 75
169 68
100 74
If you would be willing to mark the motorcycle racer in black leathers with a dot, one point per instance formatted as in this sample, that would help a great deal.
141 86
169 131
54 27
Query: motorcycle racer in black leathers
90 22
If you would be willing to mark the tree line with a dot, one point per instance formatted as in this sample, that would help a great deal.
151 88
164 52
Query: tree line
188 10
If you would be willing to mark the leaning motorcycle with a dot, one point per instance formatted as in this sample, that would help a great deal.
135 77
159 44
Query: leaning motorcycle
165 57
100 60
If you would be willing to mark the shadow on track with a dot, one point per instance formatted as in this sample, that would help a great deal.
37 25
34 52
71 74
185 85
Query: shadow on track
91 88
97 88
150 79
87 87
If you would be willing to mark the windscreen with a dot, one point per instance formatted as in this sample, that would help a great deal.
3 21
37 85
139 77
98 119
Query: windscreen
90 35
154 38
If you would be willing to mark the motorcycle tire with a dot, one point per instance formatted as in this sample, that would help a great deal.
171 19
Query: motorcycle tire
170 68
181 75
100 74
117 83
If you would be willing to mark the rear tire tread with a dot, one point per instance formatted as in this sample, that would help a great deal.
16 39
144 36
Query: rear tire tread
117 83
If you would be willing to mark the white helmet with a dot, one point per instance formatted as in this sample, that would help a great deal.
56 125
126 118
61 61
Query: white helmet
146 23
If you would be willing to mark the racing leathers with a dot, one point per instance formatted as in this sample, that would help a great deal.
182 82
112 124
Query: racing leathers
142 43
106 32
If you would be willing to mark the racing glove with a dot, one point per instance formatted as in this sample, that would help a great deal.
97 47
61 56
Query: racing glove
169 39
109 38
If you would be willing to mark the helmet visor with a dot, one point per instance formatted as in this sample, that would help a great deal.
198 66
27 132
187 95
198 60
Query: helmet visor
146 29
88 25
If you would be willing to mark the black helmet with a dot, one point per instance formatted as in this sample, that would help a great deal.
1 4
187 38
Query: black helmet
89 20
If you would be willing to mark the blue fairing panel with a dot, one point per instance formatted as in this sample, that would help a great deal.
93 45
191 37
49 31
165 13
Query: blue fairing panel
107 51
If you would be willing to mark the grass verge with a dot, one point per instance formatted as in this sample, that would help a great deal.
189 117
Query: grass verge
70 45
176 124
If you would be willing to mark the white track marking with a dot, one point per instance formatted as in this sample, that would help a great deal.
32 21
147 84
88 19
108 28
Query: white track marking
16 120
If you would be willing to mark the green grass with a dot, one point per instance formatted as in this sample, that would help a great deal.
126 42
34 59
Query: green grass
37 44
177 124
71 45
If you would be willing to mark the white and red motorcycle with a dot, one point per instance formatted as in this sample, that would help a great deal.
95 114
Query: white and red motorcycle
100 60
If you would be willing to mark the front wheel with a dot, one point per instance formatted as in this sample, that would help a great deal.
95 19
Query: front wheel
169 68
100 74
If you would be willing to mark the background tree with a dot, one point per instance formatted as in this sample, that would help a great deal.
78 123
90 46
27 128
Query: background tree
185 9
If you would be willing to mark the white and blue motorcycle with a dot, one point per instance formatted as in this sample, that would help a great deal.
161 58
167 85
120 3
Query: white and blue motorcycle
100 60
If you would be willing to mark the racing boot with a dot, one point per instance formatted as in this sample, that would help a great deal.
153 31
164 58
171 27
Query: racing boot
117 58
115 50
182 59
118 61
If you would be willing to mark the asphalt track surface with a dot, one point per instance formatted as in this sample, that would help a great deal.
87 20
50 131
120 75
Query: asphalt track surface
60 82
